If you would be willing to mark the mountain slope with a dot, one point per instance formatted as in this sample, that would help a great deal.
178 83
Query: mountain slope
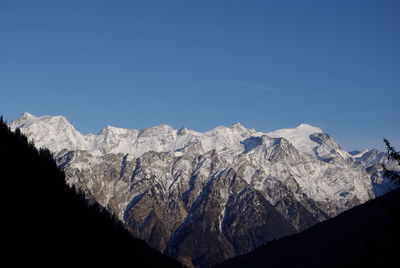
365 236
373 160
181 189
48 223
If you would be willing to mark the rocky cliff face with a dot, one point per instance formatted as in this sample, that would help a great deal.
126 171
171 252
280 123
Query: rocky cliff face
205 197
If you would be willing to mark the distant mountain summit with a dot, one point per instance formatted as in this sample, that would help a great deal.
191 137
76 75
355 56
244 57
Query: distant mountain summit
203 197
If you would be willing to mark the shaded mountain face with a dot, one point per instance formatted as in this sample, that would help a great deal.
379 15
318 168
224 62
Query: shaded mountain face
47 224
365 236
205 197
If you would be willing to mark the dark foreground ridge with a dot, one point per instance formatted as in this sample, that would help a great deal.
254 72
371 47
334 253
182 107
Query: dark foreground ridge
365 236
48 224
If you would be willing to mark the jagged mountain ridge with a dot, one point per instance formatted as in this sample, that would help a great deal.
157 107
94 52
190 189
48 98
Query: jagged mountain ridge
196 195
56 133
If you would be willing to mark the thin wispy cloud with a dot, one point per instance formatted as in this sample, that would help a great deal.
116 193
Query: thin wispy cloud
259 87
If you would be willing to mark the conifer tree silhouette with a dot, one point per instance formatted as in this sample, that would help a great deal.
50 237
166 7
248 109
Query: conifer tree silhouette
395 155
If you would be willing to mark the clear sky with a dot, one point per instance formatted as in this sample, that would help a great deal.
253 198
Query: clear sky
200 64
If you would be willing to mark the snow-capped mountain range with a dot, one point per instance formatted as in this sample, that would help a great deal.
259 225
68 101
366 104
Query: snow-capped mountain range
203 197
56 133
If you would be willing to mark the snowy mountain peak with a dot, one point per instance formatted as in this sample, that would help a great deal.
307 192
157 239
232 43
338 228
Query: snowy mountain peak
302 130
370 157
27 115
303 125
363 152
53 132
163 126
111 129
238 126
309 128
299 136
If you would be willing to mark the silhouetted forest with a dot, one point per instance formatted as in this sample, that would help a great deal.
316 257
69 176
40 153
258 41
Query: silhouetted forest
48 223
365 236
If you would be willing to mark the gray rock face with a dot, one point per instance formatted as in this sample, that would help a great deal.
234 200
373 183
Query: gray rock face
206 197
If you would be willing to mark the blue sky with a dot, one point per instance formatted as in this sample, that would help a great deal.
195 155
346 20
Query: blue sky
199 64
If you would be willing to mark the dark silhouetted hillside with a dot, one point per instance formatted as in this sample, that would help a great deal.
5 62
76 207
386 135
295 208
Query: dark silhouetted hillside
365 236
47 223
